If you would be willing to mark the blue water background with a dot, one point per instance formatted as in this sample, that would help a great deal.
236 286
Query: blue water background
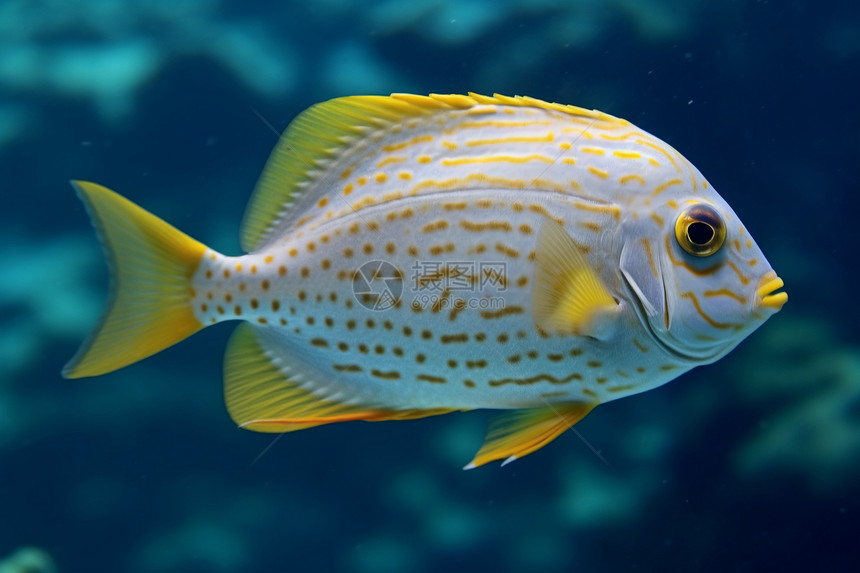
747 465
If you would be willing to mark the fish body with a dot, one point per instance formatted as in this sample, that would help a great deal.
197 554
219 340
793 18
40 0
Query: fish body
413 255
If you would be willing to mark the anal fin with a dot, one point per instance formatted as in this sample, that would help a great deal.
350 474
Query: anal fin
515 434
267 397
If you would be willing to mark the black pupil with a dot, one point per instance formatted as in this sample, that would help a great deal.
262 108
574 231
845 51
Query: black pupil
700 233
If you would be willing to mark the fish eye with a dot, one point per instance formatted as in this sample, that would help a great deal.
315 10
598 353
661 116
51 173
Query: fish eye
700 230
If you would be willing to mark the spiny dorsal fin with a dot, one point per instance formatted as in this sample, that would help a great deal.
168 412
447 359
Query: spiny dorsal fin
515 434
326 130
568 296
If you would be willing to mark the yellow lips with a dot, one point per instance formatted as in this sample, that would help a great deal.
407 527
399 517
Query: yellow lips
766 292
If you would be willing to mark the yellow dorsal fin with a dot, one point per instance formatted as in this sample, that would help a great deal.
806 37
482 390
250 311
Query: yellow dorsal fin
513 435
298 166
149 306
260 396
316 136
568 296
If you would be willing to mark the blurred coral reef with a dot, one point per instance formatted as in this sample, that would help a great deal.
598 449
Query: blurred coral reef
28 560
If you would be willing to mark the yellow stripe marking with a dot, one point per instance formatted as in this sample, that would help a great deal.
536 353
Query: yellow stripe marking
578 131
546 185
514 139
490 225
705 317
660 150
507 250
592 150
460 183
627 178
627 154
623 136
448 338
497 159
660 188
615 389
728 293
405 144
613 210
347 367
507 311
699 272
744 280
390 375
439 225
539 378
646 244
390 160
433 379
541 210
598 172
492 123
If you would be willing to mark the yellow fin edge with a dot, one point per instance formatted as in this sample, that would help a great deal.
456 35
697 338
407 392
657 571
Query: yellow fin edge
262 398
151 264
516 434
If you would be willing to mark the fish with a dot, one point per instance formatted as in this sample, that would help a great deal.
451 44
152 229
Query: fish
410 256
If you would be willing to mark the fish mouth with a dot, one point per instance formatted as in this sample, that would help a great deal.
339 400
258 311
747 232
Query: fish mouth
768 297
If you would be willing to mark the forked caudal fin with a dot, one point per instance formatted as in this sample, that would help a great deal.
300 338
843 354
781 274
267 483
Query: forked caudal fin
151 265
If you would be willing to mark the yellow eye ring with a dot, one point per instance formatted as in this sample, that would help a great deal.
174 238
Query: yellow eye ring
700 230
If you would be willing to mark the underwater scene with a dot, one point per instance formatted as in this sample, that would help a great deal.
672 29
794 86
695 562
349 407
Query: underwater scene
413 256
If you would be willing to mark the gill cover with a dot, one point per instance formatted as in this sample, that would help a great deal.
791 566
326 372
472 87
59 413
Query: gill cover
640 265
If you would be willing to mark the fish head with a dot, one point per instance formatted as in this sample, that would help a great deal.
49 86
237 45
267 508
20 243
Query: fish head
700 283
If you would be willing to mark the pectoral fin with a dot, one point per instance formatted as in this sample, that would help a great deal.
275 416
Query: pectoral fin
568 295
515 434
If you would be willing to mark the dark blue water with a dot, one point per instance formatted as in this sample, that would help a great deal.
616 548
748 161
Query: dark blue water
747 465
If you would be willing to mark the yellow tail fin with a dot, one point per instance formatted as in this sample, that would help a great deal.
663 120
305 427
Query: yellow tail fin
151 265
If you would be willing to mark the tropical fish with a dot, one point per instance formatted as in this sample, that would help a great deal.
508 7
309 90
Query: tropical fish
414 255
